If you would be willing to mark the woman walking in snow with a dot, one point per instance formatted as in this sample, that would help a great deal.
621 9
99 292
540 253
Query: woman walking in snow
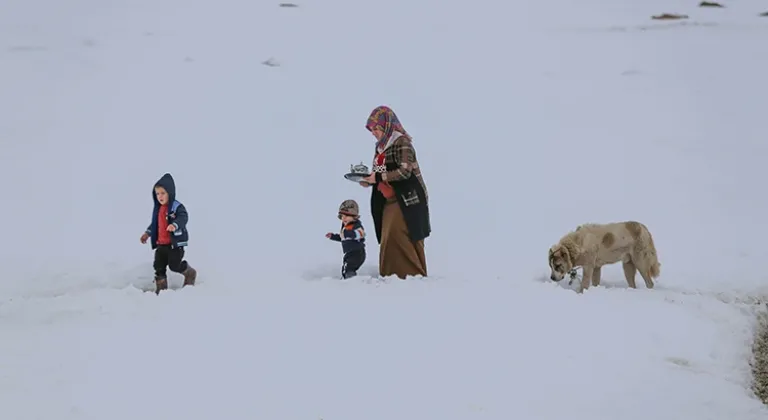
399 200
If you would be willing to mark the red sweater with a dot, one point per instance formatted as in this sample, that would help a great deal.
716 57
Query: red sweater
163 236
386 190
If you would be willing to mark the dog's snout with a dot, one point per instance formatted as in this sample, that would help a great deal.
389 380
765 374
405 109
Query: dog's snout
553 278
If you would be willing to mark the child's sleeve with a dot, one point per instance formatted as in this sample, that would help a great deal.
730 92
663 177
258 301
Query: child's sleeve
149 228
181 217
335 237
354 232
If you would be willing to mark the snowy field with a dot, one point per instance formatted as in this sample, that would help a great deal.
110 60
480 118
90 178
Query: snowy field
529 118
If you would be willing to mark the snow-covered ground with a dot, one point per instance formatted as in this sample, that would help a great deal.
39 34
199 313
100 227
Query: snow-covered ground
529 118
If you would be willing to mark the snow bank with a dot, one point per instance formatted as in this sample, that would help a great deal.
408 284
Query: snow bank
363 349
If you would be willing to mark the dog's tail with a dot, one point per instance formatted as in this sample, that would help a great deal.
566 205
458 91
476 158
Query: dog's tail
655 265
655 270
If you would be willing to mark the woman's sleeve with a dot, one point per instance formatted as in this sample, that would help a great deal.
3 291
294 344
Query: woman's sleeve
405 159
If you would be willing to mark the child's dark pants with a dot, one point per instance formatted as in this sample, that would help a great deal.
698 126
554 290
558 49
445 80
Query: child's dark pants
165 256
352 262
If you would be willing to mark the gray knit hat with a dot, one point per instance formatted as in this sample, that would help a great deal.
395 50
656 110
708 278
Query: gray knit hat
350 208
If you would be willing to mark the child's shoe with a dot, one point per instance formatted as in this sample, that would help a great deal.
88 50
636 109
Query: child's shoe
190 274
160 284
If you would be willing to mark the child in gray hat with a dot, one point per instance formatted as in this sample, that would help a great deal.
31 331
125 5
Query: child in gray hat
352 238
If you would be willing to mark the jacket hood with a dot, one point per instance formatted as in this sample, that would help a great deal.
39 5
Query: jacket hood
166 181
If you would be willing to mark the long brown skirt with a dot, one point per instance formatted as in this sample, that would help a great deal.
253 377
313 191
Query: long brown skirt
397 253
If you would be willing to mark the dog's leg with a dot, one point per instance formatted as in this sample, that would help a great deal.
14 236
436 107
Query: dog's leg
586 277
596 276
629 273
646 274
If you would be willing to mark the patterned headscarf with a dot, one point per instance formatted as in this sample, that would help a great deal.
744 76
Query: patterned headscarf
384 118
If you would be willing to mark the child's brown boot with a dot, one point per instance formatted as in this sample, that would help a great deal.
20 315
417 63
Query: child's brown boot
160 284
190 274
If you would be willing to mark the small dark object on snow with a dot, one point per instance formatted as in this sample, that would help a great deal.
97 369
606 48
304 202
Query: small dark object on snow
669 16
764 14
271 63
289 5
710 4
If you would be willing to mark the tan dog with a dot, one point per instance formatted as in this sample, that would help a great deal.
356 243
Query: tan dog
592 246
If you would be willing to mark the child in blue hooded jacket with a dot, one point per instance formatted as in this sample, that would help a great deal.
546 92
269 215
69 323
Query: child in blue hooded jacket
168 234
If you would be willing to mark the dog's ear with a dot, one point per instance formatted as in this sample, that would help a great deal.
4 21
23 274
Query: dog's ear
551 254
566 256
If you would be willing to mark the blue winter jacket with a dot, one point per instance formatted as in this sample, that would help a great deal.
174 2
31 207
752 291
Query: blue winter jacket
177 215
351 236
